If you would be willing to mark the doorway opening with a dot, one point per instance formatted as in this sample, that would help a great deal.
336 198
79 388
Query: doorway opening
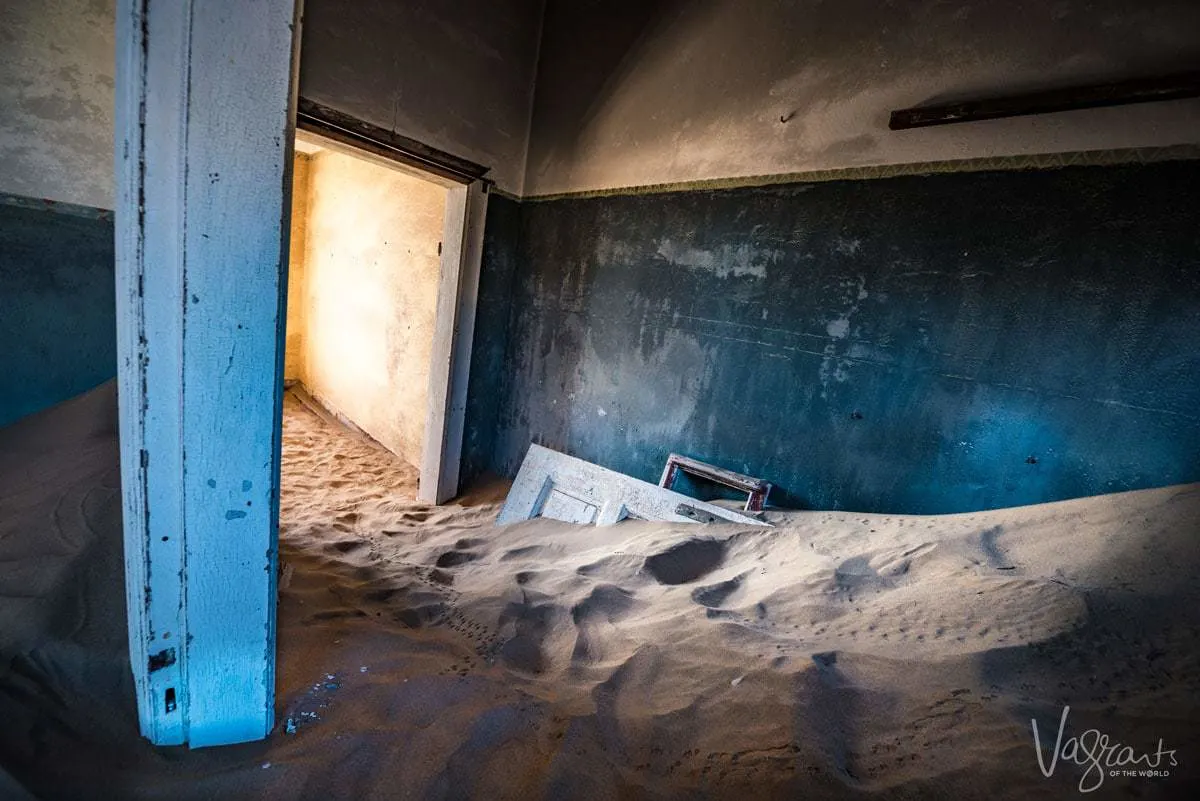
380 305
386 242
363 278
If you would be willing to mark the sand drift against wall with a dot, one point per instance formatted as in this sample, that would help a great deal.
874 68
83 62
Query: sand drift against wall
425 654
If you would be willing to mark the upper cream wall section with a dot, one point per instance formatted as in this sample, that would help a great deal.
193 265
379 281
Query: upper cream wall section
634 92
631 92
56 100
453 74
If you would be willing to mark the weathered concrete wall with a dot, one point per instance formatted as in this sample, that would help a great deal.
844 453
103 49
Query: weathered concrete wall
371 274
295 351
56 100
912 345
57 310
635 92
454 75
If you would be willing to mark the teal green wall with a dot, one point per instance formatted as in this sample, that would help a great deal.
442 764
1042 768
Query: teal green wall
927 344
57 317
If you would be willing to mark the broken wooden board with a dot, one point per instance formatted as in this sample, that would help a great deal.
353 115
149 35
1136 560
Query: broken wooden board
560 487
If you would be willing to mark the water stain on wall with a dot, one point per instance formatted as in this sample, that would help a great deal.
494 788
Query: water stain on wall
56 89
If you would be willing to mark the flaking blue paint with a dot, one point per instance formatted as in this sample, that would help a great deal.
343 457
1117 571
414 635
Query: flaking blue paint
201 382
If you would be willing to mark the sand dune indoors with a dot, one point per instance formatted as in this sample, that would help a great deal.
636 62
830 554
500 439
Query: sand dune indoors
425 654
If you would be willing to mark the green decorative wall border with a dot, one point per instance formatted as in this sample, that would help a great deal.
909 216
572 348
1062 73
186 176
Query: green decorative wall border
46 204
504 193
1041 161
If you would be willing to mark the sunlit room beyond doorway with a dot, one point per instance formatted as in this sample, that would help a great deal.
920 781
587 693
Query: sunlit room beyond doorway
362 292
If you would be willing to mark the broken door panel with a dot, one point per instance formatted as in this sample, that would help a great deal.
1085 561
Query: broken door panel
560 487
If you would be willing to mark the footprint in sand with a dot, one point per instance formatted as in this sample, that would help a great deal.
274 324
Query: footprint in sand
686 562
714 595
441 577
455 558
521 553
468 543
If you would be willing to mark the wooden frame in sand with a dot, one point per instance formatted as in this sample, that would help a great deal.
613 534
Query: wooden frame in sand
205 115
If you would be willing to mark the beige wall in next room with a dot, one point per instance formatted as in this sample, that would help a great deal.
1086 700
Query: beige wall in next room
362 293
294 354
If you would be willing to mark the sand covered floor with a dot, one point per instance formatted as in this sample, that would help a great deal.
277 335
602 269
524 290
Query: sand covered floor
425 654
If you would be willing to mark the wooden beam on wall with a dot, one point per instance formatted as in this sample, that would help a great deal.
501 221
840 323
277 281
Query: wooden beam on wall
1142 90
354 133
203 157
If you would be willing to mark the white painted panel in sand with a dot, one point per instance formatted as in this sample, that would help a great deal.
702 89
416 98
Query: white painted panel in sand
560 487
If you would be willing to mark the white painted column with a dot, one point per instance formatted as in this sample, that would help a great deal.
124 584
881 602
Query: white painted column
453 336
205 96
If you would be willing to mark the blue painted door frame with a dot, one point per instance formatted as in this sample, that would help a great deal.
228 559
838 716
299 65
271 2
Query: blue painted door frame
205 109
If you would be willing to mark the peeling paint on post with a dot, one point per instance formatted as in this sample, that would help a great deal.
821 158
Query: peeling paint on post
203 155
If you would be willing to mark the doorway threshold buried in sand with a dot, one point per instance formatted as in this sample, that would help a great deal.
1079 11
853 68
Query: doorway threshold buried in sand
560 487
